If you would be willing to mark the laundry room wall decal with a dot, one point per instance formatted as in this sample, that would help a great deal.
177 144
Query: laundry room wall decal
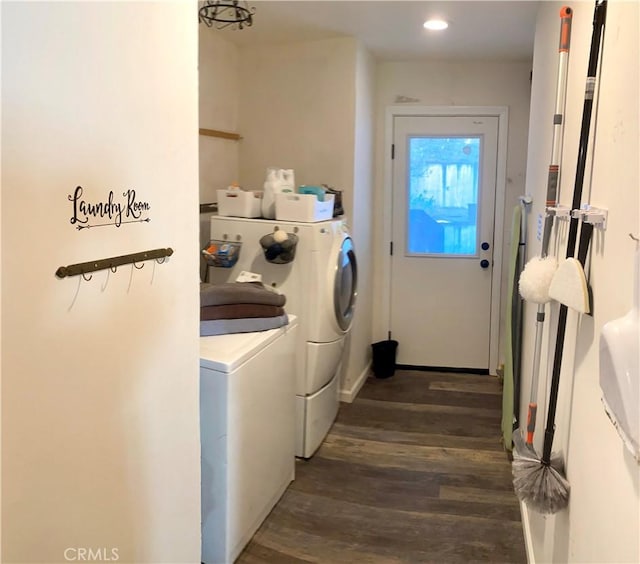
127 209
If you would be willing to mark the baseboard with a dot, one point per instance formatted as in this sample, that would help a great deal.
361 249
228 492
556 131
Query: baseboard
526 529
447 369
349 395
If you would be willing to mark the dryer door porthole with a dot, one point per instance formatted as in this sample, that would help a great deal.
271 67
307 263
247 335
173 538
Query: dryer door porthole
346 285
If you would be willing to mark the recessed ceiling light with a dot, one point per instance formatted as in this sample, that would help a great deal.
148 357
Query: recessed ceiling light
436 25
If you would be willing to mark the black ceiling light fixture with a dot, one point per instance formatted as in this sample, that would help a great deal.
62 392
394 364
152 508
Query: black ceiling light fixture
226 13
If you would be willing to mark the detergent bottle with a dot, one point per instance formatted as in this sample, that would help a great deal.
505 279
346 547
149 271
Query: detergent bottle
278 181
269 190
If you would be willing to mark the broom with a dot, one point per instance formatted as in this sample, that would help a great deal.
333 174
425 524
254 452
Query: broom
538 482
536 277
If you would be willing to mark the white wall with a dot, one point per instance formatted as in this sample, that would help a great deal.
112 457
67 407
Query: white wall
453 84
100 434
362 221
297 110
307 106
602 522
218 102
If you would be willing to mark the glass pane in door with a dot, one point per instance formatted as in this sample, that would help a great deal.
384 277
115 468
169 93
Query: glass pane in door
442 195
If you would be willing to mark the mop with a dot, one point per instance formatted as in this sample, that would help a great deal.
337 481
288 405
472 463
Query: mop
537 274
536 481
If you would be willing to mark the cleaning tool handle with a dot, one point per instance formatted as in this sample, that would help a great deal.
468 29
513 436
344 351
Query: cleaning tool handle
590 87
552 185
555 384
566 14
583 246
540 315
531 422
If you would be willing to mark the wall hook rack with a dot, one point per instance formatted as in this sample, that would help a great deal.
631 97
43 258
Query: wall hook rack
596 216
113 263
560 212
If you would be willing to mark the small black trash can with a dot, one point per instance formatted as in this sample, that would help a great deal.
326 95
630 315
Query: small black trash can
384 358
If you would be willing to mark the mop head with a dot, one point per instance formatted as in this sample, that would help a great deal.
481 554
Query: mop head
535 279
541 486
569 286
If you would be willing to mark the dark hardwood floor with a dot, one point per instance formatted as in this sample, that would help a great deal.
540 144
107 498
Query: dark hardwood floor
412 471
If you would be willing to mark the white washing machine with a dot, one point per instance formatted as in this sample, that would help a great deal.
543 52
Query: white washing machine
321 286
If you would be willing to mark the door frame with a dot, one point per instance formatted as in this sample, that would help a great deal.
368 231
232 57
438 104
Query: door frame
502 113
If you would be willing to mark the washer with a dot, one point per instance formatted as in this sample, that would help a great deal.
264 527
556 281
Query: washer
321 287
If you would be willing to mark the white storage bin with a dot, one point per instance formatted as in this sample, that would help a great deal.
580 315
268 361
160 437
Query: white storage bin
240 203
305 208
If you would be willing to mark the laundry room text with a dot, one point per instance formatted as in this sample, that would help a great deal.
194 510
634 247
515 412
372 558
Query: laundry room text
108 210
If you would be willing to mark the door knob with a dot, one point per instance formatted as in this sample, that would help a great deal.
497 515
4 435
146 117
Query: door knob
484 263
485 246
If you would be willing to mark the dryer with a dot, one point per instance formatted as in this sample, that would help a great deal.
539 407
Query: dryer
246 421
321 287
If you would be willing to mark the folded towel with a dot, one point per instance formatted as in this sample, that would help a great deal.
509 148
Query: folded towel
239 311
239 293
225 326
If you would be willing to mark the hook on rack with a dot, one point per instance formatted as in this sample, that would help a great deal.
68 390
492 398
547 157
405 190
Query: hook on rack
113 263
84 275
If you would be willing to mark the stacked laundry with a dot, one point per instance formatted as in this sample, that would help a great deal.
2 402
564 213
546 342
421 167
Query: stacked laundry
240 307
